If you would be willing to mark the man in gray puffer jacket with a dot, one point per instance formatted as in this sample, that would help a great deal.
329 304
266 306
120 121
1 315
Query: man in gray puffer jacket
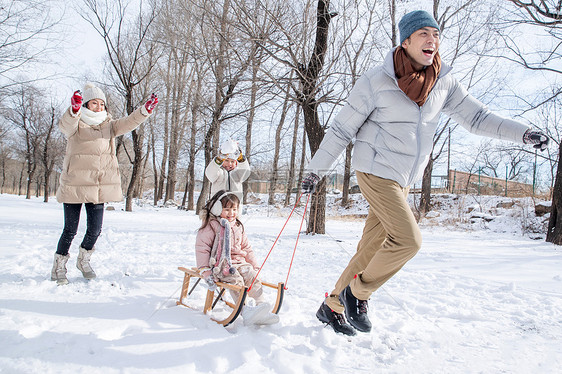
393 112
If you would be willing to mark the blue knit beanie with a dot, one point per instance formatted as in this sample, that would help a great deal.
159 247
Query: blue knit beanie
414 21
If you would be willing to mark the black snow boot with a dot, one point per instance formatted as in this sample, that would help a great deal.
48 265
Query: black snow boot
336 320
355 310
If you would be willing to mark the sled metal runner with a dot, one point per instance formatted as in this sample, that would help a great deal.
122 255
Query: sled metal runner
211 300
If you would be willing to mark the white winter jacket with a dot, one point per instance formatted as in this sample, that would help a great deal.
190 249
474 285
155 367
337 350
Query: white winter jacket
394 136
231 181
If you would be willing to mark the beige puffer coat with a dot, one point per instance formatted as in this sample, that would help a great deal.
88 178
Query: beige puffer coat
90 170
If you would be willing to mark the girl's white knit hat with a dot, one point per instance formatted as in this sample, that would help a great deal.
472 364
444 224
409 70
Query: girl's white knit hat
92 92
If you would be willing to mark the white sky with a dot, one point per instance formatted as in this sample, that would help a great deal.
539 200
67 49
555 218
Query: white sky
81 55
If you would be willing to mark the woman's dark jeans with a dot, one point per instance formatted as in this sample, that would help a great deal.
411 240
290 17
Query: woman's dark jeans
94 215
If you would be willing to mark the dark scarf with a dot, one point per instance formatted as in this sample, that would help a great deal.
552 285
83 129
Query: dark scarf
416 84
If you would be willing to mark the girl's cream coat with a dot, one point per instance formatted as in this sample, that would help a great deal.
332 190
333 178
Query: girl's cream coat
90 170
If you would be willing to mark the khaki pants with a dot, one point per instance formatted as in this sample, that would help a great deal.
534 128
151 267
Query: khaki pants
390 238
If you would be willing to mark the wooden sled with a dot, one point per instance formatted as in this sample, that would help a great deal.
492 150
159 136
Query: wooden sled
211 301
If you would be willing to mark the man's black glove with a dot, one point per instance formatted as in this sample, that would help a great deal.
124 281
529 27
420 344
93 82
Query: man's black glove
309 183
537 138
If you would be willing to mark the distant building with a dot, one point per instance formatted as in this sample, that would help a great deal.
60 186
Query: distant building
463 182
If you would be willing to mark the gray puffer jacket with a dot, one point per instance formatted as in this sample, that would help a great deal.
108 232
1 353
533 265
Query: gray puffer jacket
394 136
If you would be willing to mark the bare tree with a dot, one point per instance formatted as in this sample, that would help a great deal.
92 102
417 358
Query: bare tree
256 64
152 141
178 77
359 23
52 148
275 164
194 147
5 152
292 163
308 74
289 46
161 177
23 113
461 23
548 16
4 155
229 56
178 125
126 47
25 27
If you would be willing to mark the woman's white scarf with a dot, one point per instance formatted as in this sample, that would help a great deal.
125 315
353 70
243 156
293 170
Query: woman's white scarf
92 118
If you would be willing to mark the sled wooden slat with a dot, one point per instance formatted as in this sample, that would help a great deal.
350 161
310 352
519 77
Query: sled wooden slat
280 287
211 300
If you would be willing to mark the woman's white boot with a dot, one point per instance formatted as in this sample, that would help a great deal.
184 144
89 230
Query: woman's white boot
58 273
83 263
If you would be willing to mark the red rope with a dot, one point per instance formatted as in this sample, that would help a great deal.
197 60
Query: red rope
283 228
297 241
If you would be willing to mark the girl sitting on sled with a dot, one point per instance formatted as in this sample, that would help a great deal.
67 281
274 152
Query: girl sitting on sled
224 254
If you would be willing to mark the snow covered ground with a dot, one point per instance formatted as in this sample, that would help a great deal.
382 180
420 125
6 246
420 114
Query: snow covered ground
480 297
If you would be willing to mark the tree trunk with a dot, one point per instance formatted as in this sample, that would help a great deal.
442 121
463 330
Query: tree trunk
394 29
38 183
301 166
47 176
318 210
221 99
275 167
177 126
172 174
214 128
425 200
554 232
137 164
192 147
20 182
48 162
191 183
308 76
154 167
256 62
31 167
3 162
292 166
315 134
140 186
166 136
347 175
186 187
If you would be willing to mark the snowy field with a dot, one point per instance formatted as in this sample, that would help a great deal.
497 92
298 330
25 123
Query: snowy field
482 299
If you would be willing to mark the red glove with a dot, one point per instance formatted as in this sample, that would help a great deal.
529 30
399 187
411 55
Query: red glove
151 103
76 101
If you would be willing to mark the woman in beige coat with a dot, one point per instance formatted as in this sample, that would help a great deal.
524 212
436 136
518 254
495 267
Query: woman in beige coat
90 174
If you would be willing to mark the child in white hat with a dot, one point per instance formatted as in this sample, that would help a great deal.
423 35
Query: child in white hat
229 169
